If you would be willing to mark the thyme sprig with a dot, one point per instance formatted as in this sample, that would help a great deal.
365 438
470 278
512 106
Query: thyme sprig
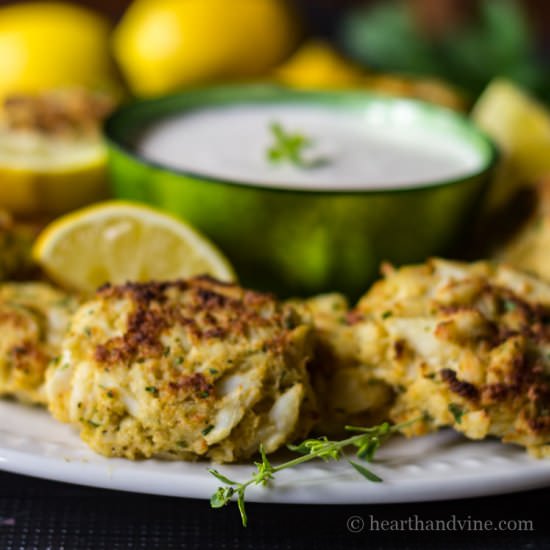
366 440
290 147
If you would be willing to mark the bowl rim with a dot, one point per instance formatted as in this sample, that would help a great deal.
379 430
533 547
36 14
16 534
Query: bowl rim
234 94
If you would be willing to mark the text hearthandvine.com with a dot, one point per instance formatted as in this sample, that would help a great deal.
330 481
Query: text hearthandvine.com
357 524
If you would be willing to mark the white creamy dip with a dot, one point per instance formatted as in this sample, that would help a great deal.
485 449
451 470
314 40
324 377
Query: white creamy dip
366 148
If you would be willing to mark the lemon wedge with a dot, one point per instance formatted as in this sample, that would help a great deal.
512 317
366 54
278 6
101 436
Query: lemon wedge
520 126
119 241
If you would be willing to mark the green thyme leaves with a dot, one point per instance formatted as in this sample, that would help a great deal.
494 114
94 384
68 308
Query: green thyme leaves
207 430
366 441
290 148
457 412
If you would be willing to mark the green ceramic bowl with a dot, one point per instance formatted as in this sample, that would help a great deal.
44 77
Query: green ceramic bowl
302 242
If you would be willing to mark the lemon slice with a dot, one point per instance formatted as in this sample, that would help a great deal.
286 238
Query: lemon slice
52 155
520 126
118 242
38 174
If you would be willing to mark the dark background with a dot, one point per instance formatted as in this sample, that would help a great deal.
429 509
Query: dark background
321 14
55 516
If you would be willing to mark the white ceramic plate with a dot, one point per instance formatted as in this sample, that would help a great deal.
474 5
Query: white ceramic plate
437 467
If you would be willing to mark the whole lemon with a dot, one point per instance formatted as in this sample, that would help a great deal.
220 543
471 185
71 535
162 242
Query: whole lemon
53 45
166 45
317 65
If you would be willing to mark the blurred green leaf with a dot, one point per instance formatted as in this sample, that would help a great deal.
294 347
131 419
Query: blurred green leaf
498 43
378 36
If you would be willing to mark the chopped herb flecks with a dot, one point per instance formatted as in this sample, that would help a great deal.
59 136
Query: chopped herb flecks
457 412
207 430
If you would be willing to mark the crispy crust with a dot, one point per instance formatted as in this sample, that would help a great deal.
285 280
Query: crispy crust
185 369
473 338
211 311
71 112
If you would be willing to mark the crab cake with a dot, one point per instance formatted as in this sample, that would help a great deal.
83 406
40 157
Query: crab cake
348 390
184 369
33 321
464 345
529 249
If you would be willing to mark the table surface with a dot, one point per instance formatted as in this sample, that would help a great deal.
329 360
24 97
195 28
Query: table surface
40 514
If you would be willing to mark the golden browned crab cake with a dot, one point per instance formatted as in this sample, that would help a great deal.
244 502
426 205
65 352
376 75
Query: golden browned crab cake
348 390
184 369
33 320
464 345
529 250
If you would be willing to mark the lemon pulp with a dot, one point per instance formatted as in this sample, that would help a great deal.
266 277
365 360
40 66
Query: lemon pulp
116 242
